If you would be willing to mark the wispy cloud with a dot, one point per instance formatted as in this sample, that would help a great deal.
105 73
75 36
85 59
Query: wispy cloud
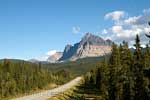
115 15
51 52
76 29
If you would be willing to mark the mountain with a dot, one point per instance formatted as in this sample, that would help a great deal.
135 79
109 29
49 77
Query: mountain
89 46
55 57
34 60
51 59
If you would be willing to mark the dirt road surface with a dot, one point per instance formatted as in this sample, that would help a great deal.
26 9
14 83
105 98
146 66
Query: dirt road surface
49 93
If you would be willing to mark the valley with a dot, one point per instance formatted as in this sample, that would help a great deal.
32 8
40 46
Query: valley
74 49
93 75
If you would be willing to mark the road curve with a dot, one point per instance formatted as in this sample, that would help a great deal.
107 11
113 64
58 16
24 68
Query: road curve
49 93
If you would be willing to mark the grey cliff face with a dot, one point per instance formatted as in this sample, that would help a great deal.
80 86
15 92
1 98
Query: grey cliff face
89 46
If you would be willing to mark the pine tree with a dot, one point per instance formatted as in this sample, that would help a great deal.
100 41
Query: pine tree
146 64
92 77
114 63
115 56
99 78
147 58
124 73
126 91
140 93
6 65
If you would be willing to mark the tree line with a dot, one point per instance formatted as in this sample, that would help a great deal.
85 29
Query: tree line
22 77
125 76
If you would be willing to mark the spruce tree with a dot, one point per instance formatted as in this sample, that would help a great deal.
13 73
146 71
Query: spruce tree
146 64
125 74
114 63
99 78
140 93
147 58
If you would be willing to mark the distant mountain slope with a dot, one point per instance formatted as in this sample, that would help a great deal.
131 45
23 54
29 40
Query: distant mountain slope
54 58
89 46
34 60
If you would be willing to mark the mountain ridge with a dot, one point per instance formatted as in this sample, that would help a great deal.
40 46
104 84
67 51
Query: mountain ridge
89 46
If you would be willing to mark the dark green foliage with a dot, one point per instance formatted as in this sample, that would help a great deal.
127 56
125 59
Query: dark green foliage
114 63
125 73
138 67
126 76
115 56
126 91
99 78
147 58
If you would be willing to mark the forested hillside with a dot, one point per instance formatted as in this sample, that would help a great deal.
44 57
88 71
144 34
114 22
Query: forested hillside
126 76
18 77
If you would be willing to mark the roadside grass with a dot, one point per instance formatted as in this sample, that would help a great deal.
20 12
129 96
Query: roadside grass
76 68
36 90
68 94
79 92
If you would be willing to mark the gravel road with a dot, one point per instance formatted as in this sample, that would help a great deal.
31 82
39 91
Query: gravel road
49 93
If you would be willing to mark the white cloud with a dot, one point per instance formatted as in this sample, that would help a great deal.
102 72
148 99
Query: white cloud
127 28
76 29
144 18
45 56
133 20
51 52
116 29
116 15
121 34
137 20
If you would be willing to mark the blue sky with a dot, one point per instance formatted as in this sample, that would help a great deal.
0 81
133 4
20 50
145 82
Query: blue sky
31 28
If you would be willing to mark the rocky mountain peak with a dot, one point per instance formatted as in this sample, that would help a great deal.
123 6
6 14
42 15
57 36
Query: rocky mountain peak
93 40
89 46
67 47
87 35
